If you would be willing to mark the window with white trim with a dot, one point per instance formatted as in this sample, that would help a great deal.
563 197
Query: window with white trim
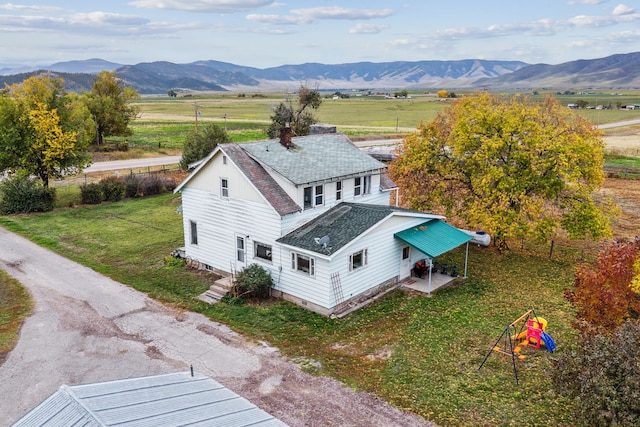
358 259
303 263
361 185
339 190
194 232
313 196
262 250
224 187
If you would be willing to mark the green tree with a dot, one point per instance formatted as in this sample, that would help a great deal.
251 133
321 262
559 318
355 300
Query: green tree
43 131
602 377
109 103
508 166
199 144
299 118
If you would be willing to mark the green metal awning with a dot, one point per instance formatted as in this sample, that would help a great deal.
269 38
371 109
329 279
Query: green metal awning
433 237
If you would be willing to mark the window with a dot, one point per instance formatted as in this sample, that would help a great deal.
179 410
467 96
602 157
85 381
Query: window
357 260
308 198
224 160
194 232
224 187
240 248
262 251
303 264
313 196
319 195
406 252
339 190
362 185
367 184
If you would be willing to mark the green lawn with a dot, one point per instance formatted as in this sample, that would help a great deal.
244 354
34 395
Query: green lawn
418 353
15 305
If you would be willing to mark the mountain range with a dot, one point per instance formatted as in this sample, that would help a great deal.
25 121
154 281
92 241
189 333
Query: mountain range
621 71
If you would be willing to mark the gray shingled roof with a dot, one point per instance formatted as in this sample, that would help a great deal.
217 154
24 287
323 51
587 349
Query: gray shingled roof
342 223
268 187
314 158
161 400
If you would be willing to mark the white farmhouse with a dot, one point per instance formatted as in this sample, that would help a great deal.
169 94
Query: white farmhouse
312 210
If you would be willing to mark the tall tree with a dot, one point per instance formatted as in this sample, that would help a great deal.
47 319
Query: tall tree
510 166
109 101
200 143
604 295
298 117
43 131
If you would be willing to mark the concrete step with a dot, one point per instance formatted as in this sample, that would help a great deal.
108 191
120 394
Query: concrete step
209 297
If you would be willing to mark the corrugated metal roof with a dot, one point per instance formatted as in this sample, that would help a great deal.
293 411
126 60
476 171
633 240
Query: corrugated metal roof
314 158
162 400
434 237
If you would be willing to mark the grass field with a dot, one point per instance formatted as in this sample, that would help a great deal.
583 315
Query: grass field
418 353
165 122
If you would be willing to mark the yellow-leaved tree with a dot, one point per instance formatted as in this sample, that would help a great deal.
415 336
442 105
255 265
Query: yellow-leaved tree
43 131
509 166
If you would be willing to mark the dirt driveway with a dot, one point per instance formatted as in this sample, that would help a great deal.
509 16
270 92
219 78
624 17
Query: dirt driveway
86 328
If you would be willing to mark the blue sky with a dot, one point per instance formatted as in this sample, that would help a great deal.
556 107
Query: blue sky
266 33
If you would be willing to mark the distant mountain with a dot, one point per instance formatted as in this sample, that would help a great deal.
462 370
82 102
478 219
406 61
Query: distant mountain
616 71
91 66
620 71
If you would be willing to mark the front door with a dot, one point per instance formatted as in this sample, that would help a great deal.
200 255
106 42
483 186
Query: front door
405 262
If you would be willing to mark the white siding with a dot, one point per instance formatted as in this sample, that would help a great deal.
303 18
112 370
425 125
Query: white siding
219 220
208 180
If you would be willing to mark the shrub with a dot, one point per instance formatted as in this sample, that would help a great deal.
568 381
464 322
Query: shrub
152 185
253 282
603 377
132 186
113 189
23 194
91 193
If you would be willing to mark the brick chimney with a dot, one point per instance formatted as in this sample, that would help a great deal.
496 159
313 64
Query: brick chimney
285 136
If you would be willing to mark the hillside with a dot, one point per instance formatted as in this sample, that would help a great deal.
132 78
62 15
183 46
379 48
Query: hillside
613 72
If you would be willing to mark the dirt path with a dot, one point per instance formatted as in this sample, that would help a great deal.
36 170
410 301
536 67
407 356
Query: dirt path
87 328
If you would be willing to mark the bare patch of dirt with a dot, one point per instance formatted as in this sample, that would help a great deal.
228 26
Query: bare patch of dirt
626 194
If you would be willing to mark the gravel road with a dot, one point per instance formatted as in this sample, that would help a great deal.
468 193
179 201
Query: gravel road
86 328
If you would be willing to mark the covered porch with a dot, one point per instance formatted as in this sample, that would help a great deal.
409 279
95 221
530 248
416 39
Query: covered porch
434 238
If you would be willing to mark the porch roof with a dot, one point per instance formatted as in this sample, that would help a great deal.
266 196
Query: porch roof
433 237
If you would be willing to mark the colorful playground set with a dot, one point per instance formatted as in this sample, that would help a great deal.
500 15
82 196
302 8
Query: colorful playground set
528 330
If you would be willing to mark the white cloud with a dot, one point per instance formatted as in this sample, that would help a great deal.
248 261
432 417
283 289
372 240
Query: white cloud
219 6
361 28
307 16
623 9
20 7
588 1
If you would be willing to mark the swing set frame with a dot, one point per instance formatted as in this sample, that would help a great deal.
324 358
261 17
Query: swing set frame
507 338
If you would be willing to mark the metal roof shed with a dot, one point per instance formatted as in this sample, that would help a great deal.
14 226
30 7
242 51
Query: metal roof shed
162 400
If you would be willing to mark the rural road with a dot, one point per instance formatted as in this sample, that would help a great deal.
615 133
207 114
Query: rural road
132 163
86 327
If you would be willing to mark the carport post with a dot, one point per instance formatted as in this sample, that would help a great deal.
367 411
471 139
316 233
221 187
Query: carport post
429 286
466 260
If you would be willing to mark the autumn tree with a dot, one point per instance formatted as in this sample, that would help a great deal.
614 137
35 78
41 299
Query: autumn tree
601 377
109 102
442 93
508 166
43 131
606 294
298 117
202 142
